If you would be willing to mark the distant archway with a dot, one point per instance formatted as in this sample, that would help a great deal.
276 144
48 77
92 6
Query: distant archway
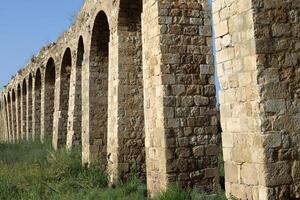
49 97
6 117
98 84
131 137
29 109
65 74
24 113
37 105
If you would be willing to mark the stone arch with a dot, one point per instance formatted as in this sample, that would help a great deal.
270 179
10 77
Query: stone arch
65 73
13 115
75 107
29 132
50 77
24 109
96 140
37 104
18 112
130 141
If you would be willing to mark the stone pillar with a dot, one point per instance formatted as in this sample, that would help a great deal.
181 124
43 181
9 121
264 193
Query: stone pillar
18 113
4 102
77 119
22 122
70 134
43 91
85 113
8 110
75 108
33 108
61 101
239 97
2 122
5 116
179 92
57 113
112 126
13 117
257 44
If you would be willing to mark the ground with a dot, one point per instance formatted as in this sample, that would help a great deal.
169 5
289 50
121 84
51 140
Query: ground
31 170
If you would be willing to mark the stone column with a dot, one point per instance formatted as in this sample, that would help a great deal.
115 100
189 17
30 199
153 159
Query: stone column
13 117
33 109
85 113
74 112
113 107
43 82
70 133
9 117
57 115
2 122
18 113
257 44
22 133
5 115
179 95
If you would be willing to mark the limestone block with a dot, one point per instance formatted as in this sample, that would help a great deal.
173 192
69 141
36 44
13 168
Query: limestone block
231 172
221 29
249 174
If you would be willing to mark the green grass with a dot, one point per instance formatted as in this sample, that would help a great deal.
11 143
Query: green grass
34 171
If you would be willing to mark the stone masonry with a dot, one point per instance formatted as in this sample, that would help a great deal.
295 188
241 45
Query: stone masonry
132 84
258 56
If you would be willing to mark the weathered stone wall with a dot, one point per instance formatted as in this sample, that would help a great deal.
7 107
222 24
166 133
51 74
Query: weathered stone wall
277 37
179 95
132 83
258 62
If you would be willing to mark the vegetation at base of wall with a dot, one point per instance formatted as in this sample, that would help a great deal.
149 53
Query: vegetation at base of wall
32 170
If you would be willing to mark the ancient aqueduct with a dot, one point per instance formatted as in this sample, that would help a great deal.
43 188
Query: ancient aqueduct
133 82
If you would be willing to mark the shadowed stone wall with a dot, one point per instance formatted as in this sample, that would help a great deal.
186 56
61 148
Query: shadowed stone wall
132 83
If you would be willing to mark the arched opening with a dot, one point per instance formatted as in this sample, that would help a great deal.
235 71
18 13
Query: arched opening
24 110
37 105
49 98
18 111
98 84
14 115
65 74
29 109
75 110
131 99
6 117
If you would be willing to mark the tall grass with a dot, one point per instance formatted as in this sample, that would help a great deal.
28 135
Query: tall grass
34 171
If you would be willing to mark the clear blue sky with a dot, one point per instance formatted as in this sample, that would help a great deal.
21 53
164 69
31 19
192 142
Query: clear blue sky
26 26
